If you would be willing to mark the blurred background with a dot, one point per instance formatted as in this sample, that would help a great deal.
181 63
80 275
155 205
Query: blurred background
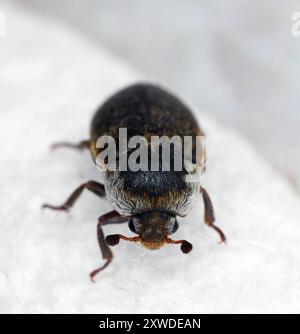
236 58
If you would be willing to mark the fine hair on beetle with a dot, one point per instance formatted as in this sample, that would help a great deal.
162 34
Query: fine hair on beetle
151 151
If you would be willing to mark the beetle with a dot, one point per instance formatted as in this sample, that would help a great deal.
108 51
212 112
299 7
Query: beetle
149 201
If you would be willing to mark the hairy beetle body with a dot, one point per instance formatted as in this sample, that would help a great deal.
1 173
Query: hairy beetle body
146 110
149 200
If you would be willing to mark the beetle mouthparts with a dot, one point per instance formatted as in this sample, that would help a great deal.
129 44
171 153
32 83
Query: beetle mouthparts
153 245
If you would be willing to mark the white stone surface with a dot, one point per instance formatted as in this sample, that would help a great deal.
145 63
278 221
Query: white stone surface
50 82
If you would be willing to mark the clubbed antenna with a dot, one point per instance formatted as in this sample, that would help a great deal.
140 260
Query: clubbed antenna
114 239
185 247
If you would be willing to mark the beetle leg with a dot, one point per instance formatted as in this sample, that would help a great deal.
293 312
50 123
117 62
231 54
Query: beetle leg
79 146
112 217
93 186
209 216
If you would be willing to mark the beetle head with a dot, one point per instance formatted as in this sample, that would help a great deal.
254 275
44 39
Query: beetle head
153 227
153 230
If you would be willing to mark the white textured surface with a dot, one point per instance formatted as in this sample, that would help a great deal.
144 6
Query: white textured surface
50 83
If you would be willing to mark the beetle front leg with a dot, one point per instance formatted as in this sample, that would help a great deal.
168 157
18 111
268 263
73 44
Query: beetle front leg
93 186
78 146
209 216
112 217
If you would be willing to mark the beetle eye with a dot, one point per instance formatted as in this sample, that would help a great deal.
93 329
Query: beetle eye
131 226
175 227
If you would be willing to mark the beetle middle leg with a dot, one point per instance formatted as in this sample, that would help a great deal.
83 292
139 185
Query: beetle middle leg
112 217
209 216
79 146
93 186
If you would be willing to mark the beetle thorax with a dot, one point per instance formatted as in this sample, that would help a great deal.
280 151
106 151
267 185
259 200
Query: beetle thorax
131 195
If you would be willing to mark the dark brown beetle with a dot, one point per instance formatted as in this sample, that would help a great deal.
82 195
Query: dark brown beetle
149 201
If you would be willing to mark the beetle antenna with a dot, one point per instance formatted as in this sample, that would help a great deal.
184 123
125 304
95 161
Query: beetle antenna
114 239
185 247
